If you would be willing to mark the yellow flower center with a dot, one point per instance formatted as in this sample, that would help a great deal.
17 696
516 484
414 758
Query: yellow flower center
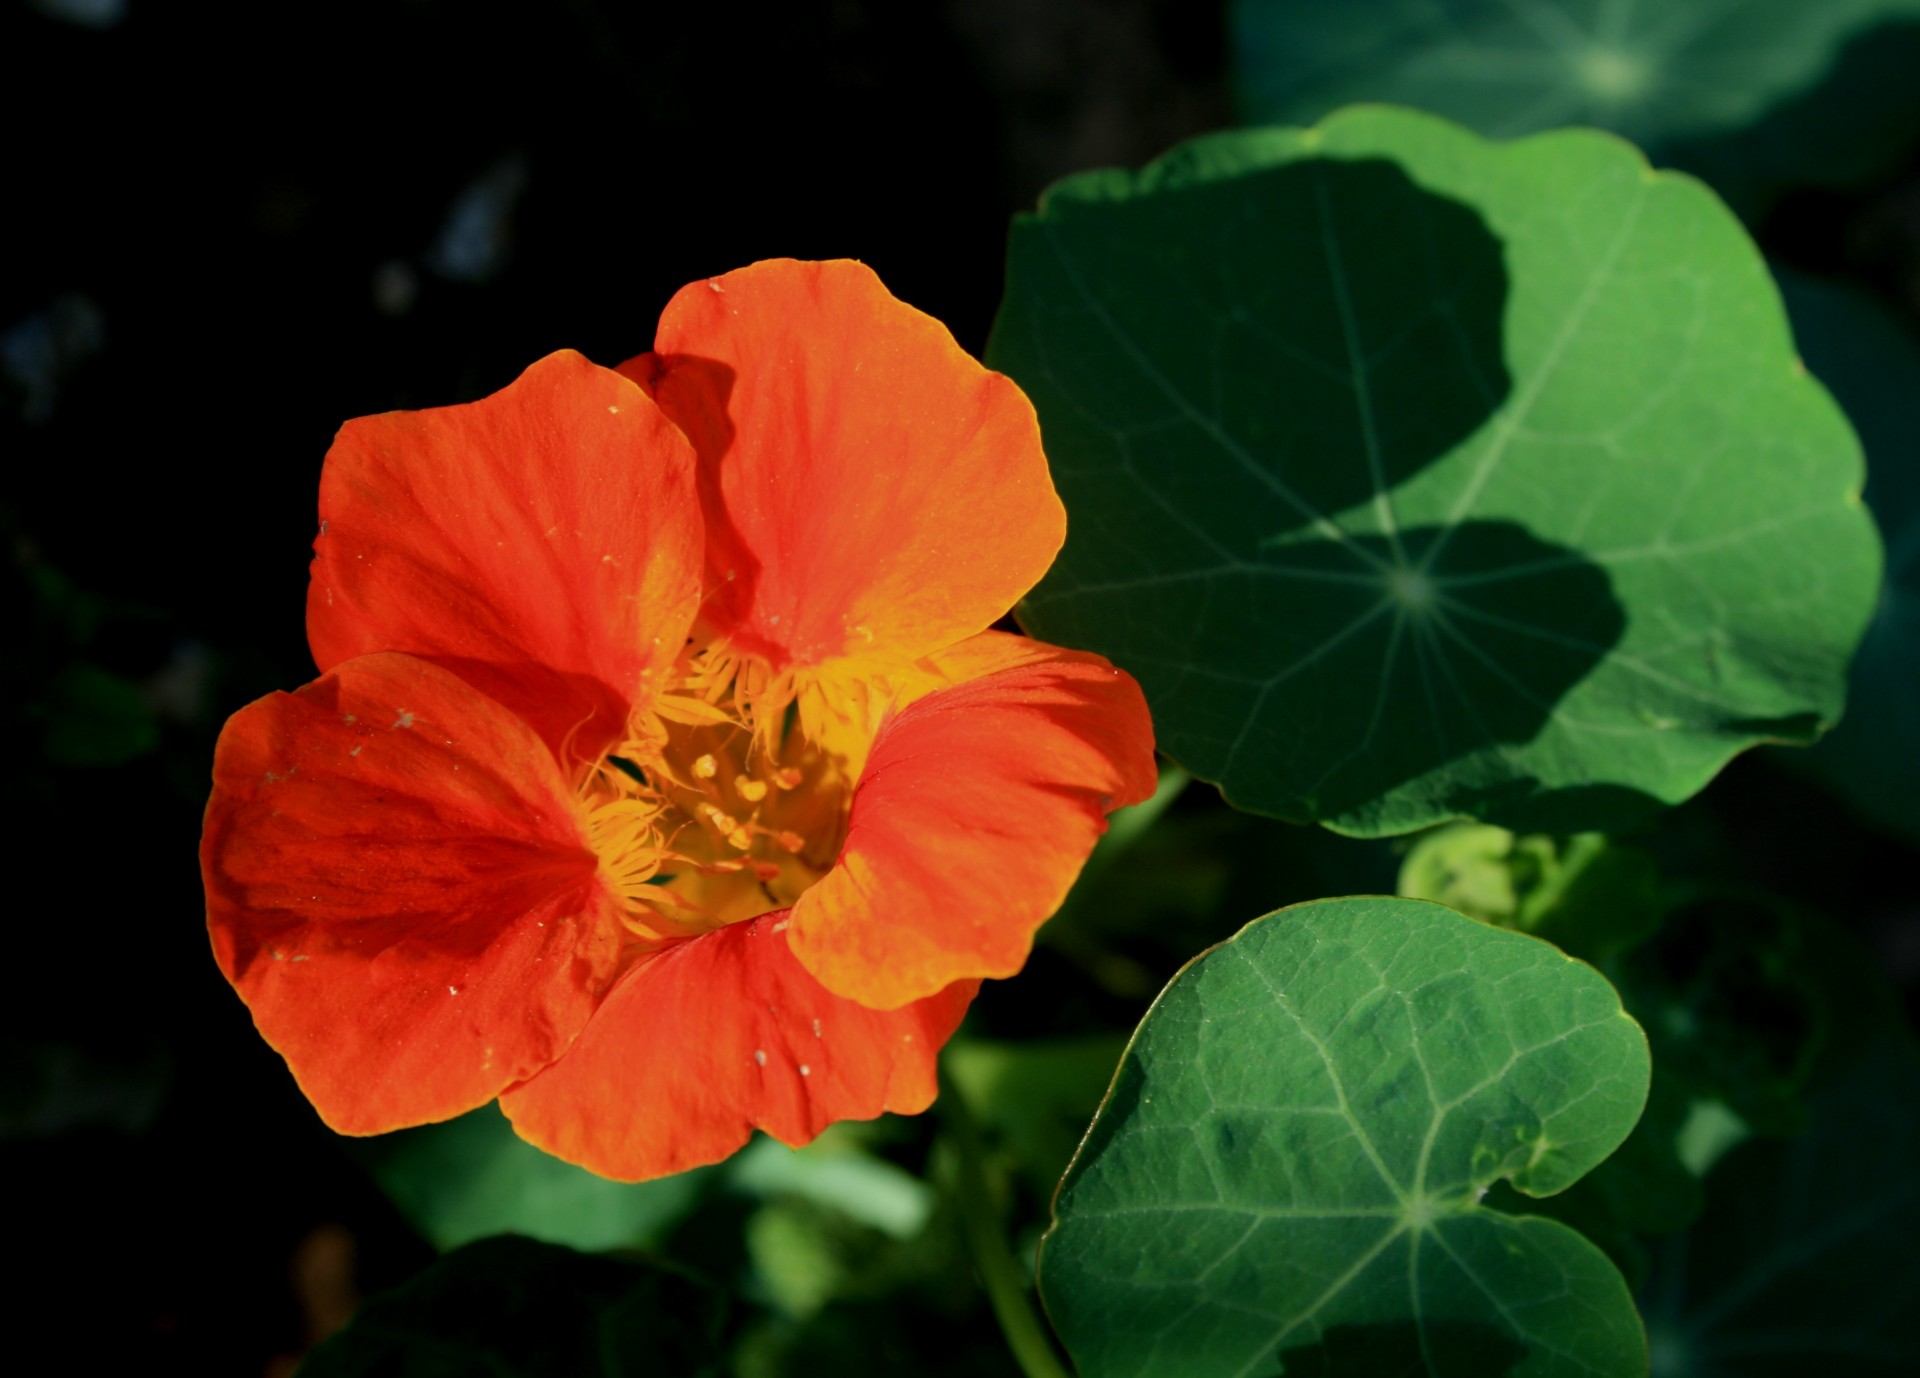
720 805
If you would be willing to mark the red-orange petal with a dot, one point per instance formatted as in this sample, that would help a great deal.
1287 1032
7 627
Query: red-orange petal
542 543
869 488
716 1037
975 812
399 887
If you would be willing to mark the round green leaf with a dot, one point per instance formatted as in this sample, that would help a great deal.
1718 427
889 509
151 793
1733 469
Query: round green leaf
1758 91
1286 1175
1416 476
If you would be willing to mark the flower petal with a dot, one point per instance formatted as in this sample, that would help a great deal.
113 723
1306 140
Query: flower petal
719 1036
868 486
975 812
399 887
543 543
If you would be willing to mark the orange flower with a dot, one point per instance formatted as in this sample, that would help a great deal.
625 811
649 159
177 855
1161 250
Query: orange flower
663 779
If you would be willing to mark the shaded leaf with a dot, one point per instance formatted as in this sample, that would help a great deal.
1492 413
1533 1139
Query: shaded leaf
1287 1172
1418 477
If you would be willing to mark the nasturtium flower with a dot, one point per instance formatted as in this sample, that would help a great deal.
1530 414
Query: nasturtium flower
665 778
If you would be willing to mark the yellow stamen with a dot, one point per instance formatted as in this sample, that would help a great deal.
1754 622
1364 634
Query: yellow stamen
787 777
753 791
706 767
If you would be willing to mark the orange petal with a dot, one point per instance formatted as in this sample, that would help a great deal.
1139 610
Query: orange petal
543 544
719 1036
975 812
399 887
868 486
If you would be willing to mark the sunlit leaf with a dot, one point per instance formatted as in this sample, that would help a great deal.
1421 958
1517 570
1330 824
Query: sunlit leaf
1416 476
1286 1175
516 1308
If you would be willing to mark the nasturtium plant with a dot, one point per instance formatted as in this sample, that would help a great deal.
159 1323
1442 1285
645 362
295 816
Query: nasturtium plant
1287 1173
1417 476
1698 80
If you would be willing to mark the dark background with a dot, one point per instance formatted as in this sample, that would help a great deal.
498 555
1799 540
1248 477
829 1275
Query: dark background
233 226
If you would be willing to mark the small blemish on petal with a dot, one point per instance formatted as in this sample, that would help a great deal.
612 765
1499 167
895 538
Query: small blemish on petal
404 720
760 1057
614 410
805 1070
780 927
353 751
714 284
453 990
816 1029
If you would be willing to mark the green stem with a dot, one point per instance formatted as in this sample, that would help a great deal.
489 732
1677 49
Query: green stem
1000 1272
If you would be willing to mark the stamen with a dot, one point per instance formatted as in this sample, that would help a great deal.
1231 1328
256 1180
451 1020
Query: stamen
726 823
788 777
753 791
706 767
790 841
740 839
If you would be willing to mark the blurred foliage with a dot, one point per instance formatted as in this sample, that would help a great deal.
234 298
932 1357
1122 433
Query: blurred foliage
1871 360
1589 896
1758 96
521 1309
473 1176
1803 1258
